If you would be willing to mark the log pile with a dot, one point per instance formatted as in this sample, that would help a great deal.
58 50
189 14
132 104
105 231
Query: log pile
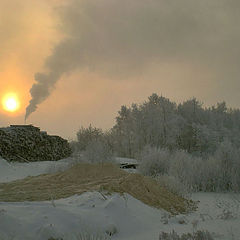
26 143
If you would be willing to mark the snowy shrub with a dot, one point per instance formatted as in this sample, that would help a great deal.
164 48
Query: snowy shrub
227 157
90 236
87 135
178 171
154 161
97 151
215 173
219 172
209 173
181 172
169 236
84 235
235 176
188 170
74 145
173 185
92 145
199 235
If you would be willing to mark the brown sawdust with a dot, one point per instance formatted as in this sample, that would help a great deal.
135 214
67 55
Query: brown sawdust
86 177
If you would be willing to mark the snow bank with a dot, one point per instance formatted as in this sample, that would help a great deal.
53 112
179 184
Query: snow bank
15 170
89 212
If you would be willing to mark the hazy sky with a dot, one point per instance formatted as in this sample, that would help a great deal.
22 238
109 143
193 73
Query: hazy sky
78 61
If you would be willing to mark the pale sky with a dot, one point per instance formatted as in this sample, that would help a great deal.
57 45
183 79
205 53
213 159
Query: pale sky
92 56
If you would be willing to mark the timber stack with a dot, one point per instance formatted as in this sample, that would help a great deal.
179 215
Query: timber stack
26 143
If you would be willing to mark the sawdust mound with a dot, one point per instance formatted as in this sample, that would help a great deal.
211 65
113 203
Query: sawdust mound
86 177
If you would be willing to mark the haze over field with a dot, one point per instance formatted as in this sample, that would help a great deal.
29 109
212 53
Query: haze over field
78 61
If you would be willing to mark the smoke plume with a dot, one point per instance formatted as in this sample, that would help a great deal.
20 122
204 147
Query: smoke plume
119 38
41 90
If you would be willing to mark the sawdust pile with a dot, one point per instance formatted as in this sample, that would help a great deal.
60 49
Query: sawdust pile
93 177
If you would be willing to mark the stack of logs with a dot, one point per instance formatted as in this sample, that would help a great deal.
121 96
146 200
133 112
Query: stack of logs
26 143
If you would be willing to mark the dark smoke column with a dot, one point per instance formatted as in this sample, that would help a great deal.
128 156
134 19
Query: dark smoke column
41 90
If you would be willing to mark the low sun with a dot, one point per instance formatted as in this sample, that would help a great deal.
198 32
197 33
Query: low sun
10 103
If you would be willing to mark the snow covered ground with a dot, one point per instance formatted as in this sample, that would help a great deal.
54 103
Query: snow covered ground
97 214
13 171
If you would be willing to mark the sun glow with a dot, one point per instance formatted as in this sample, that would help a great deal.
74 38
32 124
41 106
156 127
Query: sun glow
11 103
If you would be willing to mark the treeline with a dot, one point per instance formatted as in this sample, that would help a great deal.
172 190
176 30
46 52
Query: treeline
160 123
189 126
211 135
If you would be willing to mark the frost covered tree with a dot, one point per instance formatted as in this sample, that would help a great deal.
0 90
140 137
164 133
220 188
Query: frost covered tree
86 135
189 126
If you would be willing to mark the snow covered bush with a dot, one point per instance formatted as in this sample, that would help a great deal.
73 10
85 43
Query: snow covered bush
154 161
235 176
186 169
182 172
209 175
97 151
199 235
74 145
87 135
89 236
173 185
220 171
178 170
92 145
215 173
227 156
83 236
